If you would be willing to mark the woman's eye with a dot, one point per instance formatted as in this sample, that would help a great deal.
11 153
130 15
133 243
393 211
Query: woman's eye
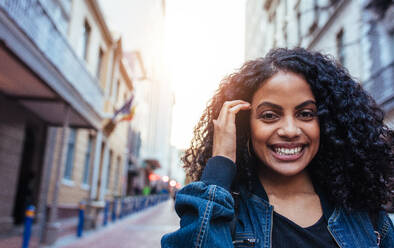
268 116
306 115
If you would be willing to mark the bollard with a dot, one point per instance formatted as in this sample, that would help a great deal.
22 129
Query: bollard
29 216
114 206
81 218
105 220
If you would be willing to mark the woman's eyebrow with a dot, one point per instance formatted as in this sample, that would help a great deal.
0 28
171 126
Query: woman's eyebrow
304 104
278 107
270 105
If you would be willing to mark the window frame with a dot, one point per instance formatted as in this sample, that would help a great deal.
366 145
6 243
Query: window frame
87 162
70 154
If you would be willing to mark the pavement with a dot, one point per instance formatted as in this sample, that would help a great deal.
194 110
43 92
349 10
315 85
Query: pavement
143 229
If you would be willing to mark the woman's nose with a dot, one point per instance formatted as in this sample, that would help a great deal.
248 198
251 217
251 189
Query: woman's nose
289 128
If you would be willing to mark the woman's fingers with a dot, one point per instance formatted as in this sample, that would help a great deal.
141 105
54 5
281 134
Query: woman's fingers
230 108
234 110
224 141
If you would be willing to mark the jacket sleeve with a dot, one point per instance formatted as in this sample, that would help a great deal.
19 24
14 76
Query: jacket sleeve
387 231
206 208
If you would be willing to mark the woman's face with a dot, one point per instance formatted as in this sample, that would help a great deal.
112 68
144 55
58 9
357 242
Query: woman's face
285 130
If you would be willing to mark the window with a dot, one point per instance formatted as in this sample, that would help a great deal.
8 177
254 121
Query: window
285 24
117 91
86 169
299 37
109 168
276 34
99 62
70 154
340 47
315 10
84 42
111 85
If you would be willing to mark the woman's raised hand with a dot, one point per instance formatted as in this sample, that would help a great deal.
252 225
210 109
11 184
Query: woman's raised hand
224 136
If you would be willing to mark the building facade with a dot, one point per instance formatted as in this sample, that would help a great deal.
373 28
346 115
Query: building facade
358 33
40 88
62 77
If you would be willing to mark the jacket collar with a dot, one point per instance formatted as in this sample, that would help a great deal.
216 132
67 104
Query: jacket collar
327 207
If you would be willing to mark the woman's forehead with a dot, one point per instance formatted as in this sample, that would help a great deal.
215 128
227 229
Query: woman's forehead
284 86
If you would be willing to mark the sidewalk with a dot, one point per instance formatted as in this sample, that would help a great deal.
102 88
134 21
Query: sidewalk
143 229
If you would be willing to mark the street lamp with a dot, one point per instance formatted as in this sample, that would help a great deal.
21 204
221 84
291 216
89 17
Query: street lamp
172 183
165 179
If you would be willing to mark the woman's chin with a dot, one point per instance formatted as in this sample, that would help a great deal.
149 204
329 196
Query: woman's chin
284 170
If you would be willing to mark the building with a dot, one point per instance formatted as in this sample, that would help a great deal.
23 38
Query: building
358 33
40 89
62 77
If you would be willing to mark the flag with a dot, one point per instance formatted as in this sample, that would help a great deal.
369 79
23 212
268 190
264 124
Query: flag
125 109
130 115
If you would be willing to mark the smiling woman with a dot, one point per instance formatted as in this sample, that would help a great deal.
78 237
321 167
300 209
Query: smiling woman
284 127
305 152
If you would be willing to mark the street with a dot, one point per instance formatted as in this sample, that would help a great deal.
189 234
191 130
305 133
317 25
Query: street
143 229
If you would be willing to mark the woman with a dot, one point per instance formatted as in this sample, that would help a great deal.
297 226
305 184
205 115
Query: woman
305 151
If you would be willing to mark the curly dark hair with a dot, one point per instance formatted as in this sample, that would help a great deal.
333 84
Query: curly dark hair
354 164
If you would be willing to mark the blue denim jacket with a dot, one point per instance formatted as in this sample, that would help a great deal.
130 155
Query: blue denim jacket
206 210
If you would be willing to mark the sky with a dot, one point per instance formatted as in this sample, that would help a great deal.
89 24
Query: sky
204 41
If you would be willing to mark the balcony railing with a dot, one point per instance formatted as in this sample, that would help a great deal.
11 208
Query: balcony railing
32 18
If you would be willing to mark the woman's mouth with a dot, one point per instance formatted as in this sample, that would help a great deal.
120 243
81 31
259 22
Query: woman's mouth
287 153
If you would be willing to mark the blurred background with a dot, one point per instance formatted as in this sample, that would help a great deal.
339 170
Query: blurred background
98 100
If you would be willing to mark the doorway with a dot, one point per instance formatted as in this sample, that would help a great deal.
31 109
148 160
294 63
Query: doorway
28 180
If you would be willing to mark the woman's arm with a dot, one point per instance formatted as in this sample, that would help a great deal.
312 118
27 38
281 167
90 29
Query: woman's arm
205 208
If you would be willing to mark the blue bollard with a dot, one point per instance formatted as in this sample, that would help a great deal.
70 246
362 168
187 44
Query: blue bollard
29 217
105 220
81 218
114 206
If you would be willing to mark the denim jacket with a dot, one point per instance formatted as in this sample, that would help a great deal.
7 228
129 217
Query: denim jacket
206 209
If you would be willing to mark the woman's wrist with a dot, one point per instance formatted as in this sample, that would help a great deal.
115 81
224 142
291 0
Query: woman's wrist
220 171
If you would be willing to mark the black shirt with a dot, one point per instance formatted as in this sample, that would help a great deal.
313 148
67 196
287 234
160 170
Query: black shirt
286 233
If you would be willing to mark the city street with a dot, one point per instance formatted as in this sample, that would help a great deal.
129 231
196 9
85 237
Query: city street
143 229
106 110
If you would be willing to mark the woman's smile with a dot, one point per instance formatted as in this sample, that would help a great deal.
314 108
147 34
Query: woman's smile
287 152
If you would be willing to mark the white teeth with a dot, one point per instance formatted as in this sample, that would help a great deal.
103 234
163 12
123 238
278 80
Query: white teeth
287 151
